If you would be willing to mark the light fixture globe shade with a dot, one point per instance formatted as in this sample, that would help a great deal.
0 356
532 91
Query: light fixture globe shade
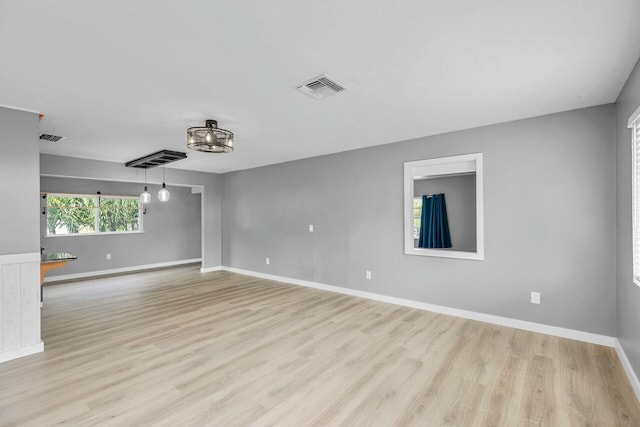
163 194
145 197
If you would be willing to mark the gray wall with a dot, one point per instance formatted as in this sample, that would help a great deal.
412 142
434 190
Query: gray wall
171 230
59 166
549 223
460 199
628 294
19 183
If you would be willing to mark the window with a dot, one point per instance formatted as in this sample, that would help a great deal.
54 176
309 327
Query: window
81 214
417 216
634 124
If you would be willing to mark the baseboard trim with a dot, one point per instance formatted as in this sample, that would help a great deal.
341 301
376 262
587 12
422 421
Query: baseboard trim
20 258
631 374
465 314
21 352
210 269
120 270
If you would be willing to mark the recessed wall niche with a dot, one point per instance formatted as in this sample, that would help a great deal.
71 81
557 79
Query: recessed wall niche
450 224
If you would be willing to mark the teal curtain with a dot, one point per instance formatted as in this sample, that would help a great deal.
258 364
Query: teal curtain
434 225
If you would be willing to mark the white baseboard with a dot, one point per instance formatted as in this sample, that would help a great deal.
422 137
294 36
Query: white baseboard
210 269
120 270
21 352
631 374
465 314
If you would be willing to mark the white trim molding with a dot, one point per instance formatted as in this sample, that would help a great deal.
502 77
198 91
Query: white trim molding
631 374
633 118
465 314
21 352
120 270
211 269
15 107
20 258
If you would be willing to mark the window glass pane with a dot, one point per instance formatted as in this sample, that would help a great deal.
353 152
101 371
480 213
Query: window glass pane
80 214
119 215
70 215
417 212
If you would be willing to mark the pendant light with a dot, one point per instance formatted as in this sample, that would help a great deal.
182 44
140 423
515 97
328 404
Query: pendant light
145 197
163 194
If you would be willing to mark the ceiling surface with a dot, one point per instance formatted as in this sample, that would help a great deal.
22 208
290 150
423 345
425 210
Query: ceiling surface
122 79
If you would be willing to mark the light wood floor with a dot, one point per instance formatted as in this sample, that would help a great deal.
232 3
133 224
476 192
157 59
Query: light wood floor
181 348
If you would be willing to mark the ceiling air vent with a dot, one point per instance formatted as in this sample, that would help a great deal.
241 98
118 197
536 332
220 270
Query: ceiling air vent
51 138
321 87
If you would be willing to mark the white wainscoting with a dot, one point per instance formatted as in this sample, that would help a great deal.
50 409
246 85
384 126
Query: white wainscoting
19 305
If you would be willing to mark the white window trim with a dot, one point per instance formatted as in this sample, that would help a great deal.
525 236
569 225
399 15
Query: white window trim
634 125
96 217
104 233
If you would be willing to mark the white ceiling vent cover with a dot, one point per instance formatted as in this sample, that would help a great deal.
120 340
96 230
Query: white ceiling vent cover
51 138
321 87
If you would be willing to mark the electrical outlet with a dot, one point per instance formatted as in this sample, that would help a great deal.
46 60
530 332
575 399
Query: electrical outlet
310 228
108 256
535 297
267 261
367 275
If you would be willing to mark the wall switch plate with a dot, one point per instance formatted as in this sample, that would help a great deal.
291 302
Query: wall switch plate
310 228
266 260
108 256
367 275
535 297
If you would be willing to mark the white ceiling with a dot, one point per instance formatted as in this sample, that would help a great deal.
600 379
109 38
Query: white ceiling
121 79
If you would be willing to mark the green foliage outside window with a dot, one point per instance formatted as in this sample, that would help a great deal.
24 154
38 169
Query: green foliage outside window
119 215
92 214
71 215
417 211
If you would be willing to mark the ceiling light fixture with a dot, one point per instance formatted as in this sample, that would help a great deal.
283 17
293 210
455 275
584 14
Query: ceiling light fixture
210 138
145 197
163 194
156 159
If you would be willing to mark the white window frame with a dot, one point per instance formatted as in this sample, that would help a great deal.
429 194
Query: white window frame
96 214
634 125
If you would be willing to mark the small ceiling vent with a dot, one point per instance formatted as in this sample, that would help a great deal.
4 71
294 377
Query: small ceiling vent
51 138
321 87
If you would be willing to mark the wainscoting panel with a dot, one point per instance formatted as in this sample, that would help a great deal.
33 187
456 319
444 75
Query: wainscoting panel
19 305
10 277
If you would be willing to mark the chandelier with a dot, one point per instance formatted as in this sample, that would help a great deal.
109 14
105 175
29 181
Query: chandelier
210 138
